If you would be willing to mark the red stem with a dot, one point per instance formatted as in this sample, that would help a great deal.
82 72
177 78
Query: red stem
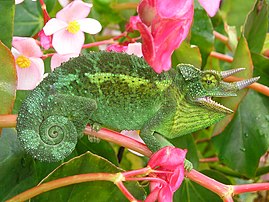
221 56
238 189
46 16
221 189
125 191
119 139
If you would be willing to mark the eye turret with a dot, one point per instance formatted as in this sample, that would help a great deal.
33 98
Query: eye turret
209 80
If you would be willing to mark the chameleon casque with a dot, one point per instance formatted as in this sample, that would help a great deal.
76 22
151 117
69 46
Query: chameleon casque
120 92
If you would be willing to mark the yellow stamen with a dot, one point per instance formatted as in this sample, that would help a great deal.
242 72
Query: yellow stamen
73 27
23 62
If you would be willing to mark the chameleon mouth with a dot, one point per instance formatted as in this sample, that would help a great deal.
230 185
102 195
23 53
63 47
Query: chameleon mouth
209 103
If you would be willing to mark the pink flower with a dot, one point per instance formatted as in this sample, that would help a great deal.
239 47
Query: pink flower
29 65
58 59
169 162
131 48
163 27
68 27
45 40
210 6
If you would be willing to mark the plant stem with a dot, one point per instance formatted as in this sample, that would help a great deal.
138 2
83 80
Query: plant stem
238 189
46 16
75 179
119 139
124 6
8 120
125 191
255 86
206 160
221 56
98 43
222 38
221 189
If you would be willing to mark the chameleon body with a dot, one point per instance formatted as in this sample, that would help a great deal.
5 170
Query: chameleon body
120 92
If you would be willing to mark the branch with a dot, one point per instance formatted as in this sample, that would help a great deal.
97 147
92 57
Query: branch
75 179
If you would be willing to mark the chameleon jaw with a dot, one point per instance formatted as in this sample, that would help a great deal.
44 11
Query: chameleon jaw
213 105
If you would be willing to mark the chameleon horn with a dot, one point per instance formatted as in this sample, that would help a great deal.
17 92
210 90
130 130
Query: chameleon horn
227 73
242 84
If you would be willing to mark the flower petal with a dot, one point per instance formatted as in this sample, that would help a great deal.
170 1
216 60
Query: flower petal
147 11
58 59
165 194
173 8
211 6
29 78
89 25
64 42
27 46
148 48
74 11
54 25
116 48
135 49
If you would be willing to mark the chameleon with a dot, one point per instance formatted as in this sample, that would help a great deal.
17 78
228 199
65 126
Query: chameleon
120 92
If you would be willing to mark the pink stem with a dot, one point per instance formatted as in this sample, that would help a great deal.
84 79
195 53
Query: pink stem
98 43
46 16
209 183
119 139
142 171
238 189
125 191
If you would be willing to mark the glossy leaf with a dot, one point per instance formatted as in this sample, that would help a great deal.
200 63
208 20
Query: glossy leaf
97 146
8 79
19 171
103 190
256 26
202 33
261 64
28 21
246 138
235 11
187 54
7 9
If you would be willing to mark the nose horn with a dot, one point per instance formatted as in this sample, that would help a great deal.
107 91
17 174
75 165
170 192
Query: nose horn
225 74
242 84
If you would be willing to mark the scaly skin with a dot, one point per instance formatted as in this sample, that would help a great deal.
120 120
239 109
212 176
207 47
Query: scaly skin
120 92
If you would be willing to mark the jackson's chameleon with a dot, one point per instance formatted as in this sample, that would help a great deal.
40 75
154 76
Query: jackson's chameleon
120 92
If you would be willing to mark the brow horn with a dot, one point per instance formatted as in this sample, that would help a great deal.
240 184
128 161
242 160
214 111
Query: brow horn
225 74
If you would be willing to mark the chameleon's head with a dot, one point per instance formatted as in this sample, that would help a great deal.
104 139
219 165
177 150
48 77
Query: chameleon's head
201 86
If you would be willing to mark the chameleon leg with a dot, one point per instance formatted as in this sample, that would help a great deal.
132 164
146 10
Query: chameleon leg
50 133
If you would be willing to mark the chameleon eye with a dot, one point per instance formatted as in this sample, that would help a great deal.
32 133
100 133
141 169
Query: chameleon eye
209 81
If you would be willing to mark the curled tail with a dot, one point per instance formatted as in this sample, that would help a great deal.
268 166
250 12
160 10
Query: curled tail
48 125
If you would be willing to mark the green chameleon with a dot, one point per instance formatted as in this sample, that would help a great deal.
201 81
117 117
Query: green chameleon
120 92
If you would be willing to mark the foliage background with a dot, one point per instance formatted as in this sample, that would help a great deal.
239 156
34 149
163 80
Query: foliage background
238 144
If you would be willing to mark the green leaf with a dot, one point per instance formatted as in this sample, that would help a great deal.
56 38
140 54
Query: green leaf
7 9
19 171
234 11
261 69
246 138
188 55
88 191
8 79
256 26
28 21
99 147
202 33
242 58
